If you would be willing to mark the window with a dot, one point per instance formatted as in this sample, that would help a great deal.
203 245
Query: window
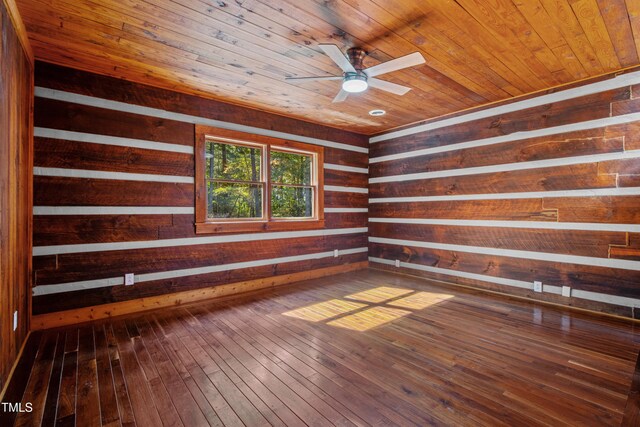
247 182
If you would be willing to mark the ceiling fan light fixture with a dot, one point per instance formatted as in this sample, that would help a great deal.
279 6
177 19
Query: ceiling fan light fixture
355 82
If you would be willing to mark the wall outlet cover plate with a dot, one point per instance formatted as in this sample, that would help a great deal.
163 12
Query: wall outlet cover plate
129 279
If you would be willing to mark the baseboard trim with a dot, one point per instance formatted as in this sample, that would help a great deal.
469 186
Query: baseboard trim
104 311
512 296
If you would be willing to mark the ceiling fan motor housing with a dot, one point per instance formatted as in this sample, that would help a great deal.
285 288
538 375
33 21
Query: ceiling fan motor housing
355 82
356 57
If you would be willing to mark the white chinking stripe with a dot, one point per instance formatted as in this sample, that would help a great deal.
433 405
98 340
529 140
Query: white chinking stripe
550 289
343 189
110 140
628 79
111 210
345 210
141 210
544 225
596 192
606 298
575 293
188 241
126 176
514 253
345 168
499 280
516 136
509 167
114 281
42 92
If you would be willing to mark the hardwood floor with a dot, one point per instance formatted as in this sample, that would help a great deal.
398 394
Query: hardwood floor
363 348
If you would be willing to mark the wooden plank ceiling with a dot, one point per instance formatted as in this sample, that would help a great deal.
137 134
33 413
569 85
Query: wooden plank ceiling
240 51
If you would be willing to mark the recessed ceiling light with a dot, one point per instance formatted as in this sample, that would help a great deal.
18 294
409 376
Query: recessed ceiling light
377 113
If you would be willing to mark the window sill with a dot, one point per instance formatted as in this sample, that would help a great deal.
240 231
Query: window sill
257 226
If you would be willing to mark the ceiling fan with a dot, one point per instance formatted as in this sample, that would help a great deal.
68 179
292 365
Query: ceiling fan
356 78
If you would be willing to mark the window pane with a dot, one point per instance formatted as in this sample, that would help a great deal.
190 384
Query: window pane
291 202
290 168
232 162
227 200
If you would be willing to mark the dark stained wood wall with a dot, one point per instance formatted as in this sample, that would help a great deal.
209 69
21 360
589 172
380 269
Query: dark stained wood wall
137 225
547 192
16 79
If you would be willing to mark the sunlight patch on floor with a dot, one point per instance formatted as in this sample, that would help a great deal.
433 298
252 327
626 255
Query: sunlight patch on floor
324 310
379 294
369 318
368 309
419 300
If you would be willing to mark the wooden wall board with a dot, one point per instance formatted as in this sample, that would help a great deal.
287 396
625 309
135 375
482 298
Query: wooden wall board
579 109
76 81
16 159
571 144
459 208
80 137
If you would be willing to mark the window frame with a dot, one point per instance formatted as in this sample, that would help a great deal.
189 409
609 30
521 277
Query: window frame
205 225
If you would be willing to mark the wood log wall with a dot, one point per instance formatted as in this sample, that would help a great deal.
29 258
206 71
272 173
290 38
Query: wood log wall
105 203
16 85
543 189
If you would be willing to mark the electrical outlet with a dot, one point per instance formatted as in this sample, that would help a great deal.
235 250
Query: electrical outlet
566 291
15 320
335 253
537 286
397 263
129 279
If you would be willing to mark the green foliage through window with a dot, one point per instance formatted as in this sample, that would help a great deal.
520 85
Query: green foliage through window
291 202
236 183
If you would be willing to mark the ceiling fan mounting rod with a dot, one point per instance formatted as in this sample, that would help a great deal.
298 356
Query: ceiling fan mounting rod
356 57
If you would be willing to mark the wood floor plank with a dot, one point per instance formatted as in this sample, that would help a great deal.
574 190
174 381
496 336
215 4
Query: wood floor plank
272 408
234 397
233 355
213 396
106 387
139 392
87 400
122 396
362 348
178 392
260 385
198 396
292 366
38 384
51 402
66 411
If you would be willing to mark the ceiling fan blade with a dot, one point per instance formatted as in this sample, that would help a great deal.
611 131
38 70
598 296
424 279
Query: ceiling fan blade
313 79
341 96
338 57
410 60
388 86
